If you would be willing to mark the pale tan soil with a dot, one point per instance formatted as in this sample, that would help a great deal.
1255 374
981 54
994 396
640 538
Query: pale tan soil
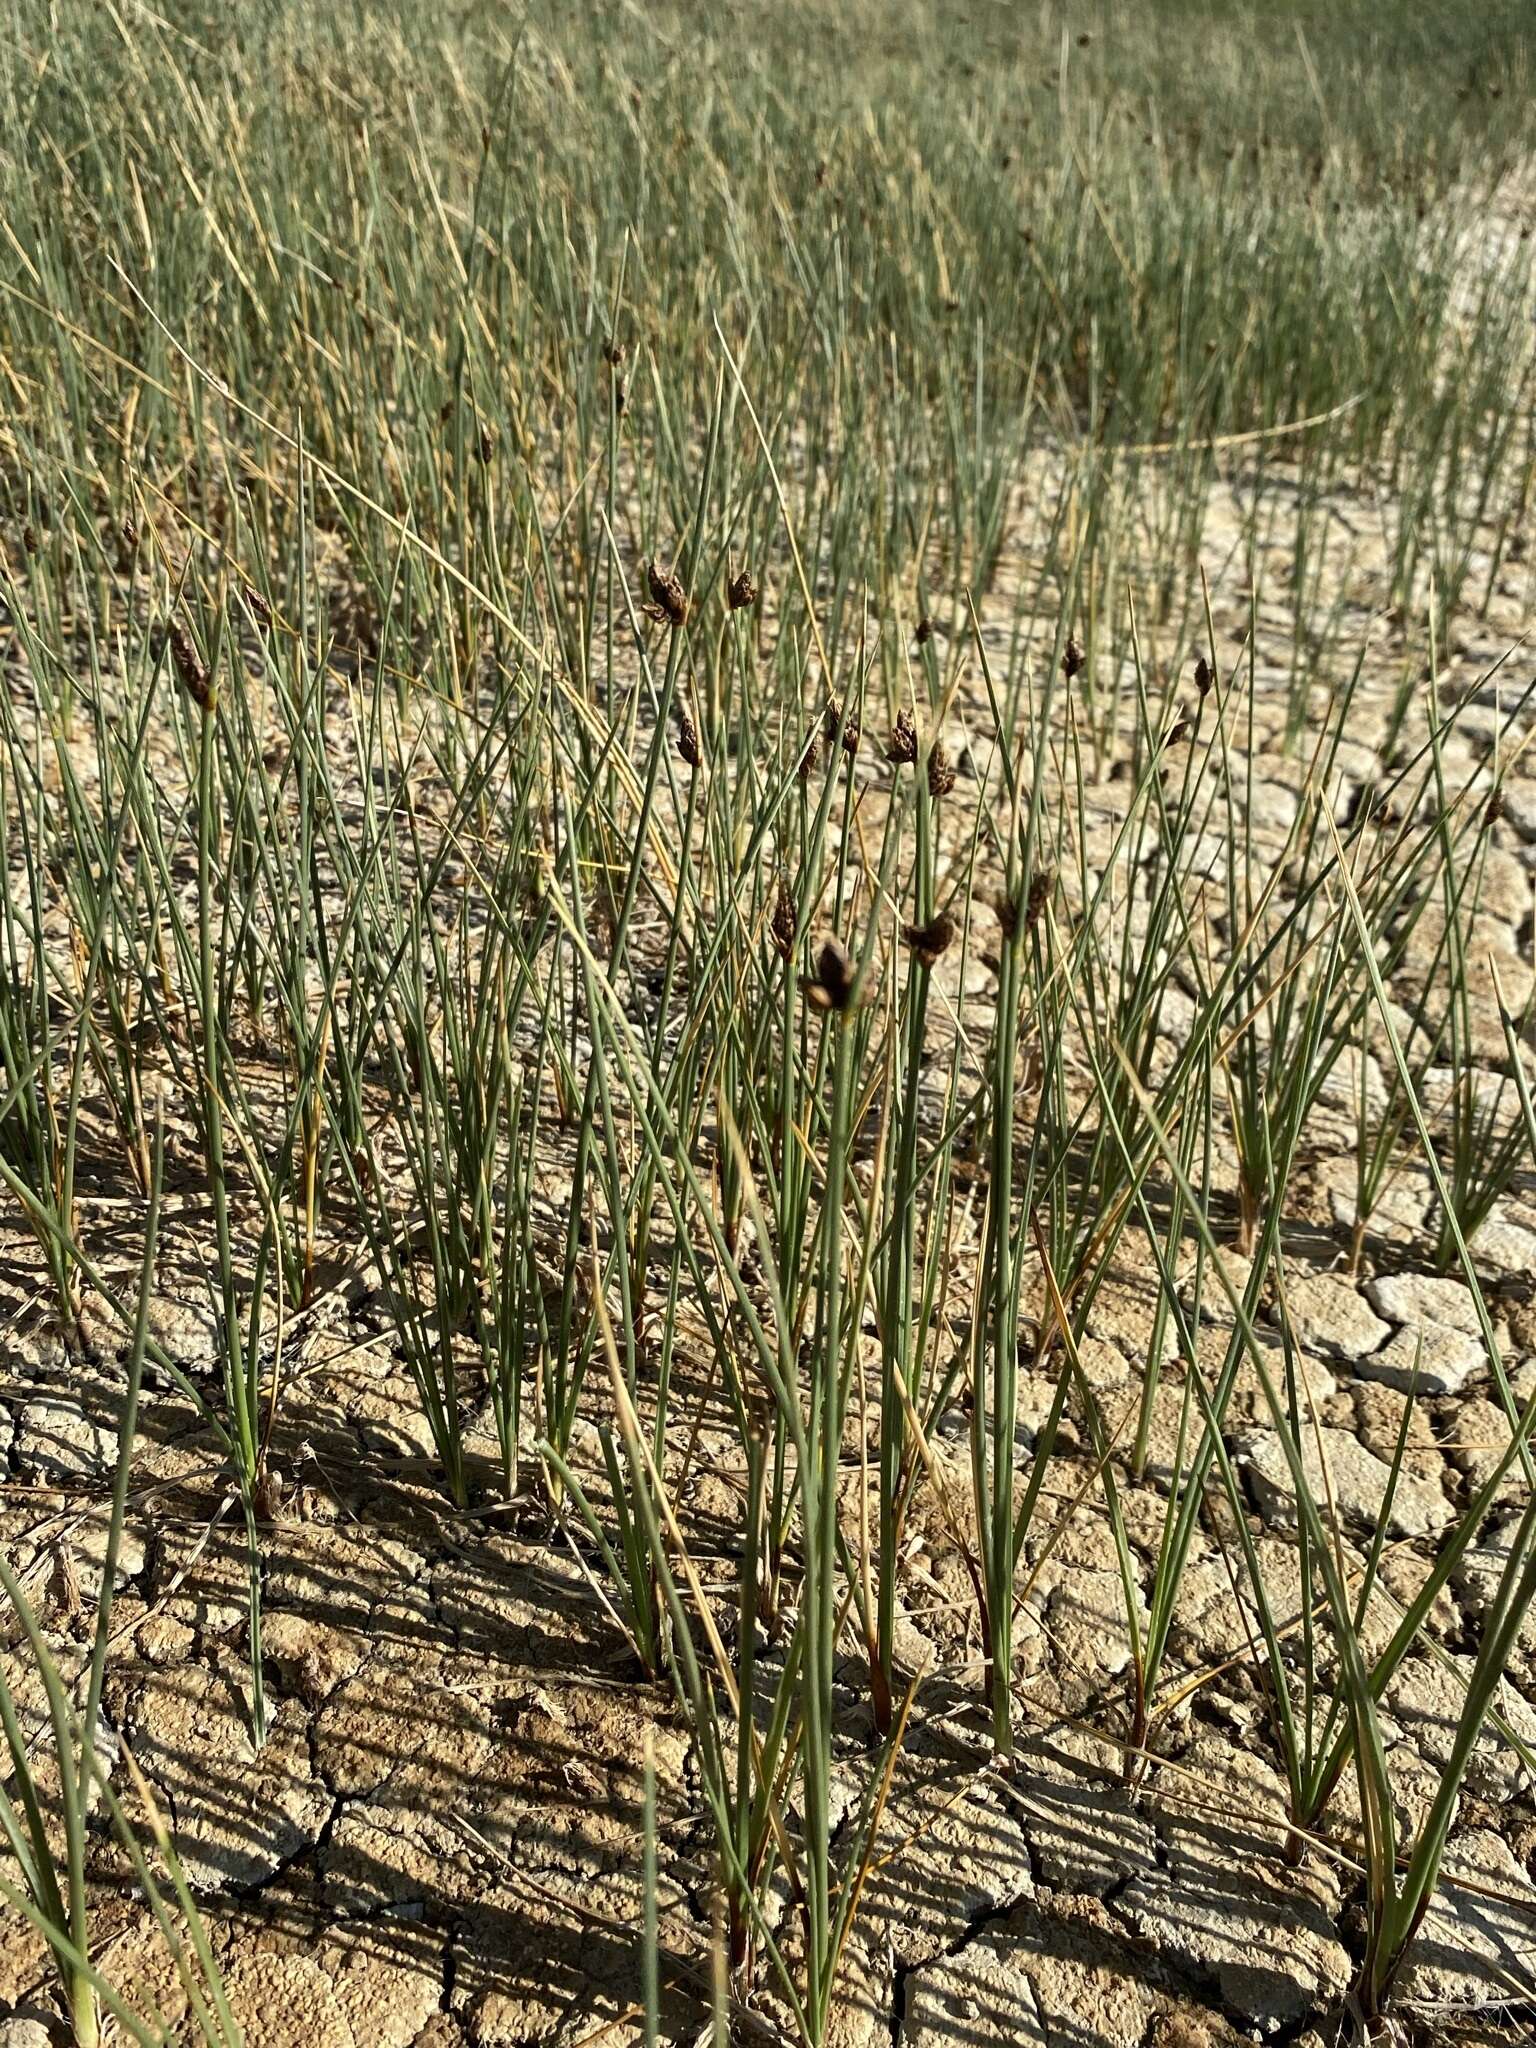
440 1843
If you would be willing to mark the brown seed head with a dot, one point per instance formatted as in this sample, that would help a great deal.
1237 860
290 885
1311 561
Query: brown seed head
128 533
929 941
1007 913
614 353
1072 659
1203 676
486 444
257 606
1495 810
834 984
902 745
1179 731
29 538
782 926
688 737
941 771
668 593
741 591
924 631
810 754
190 668
620 396
840 729
1040 886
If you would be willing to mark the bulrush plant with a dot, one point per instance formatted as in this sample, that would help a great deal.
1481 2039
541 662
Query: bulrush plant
1000 1270
1477 1122
37 1130
610 709
1320 985
906 1301
1399 1876
60 1780
750 1777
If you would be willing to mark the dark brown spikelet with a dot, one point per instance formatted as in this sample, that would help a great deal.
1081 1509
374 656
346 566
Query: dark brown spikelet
620 397
29 538
1040 886
902 746
486 444
1007 913
1495 810
258 607
614 353
1203 676
667 592
941 770
1072 659
1179 731
190 669
741 591
930 941
810 754
924 631
841 730
833 984
782 927
688 737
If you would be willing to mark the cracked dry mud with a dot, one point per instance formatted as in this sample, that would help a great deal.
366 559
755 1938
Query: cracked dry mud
439 1844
